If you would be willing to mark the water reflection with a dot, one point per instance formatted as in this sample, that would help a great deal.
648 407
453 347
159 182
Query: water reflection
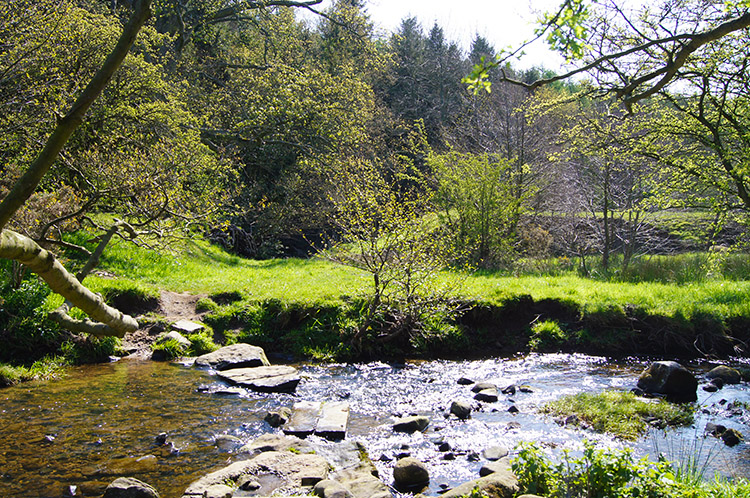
101 421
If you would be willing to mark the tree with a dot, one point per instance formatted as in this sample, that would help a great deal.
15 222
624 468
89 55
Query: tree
171 172
20 248
477 205
631 53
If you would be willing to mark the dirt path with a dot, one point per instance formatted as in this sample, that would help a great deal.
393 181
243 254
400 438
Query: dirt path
176 306
173 306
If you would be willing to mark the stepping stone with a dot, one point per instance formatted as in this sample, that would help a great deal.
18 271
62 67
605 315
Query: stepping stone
234 356
187 327
328 420
304 419
274 379
334 418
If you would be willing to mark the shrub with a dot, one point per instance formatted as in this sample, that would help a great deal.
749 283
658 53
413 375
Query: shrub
546 335
612 473
201 343
168 349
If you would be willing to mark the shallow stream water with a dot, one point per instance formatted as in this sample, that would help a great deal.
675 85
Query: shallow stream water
100 422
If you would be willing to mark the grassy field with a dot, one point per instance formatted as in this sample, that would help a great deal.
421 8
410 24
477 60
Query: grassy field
205 269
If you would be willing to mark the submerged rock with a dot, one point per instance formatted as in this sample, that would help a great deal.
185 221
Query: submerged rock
128 487
670 379
278 417
234 356
226 442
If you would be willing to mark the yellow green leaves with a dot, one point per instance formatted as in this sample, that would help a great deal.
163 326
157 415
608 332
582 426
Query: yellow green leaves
566 29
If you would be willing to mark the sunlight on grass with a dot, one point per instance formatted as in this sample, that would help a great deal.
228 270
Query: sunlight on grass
202 268
620 413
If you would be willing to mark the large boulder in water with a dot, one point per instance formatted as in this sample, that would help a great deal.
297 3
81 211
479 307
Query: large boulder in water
728 375
234 356
128 487
670 379
502 484
410 473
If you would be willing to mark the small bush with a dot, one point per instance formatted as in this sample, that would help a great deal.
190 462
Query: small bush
206 304
612 473
167 350
88 349
201 343
546 335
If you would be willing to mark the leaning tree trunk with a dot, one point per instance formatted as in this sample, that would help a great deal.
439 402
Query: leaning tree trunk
24 250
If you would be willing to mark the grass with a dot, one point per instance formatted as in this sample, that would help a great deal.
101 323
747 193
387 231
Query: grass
202 268
620 413
314 302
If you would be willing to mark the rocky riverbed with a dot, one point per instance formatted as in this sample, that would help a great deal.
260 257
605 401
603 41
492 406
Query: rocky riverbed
103 421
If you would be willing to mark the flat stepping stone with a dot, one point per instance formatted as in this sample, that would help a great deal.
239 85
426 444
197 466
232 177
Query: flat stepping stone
187 327
304 418
234 356
327 420
334 417
275 379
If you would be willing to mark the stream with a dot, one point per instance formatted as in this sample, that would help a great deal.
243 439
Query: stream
100 422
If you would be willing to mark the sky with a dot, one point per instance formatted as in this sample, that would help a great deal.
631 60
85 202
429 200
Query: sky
505 23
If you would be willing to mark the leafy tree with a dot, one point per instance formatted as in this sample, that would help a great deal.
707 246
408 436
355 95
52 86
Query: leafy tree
478 205
383 229
20 248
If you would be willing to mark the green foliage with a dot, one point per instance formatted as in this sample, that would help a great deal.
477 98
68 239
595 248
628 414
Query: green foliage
168 349
382 230
607 473
566 28
479 205
546 335
620 413
25 331
475 493
201 343
90 349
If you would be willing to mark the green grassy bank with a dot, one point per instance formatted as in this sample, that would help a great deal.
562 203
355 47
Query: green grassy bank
311 307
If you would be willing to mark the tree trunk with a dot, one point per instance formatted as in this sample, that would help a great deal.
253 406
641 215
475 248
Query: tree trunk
24 250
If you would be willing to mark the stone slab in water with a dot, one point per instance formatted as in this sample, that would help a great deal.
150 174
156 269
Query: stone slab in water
334 418
233 356
271 469
282 379
304 419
